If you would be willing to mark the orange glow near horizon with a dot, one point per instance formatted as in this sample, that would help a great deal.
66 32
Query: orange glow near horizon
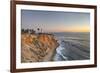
71 29
77 29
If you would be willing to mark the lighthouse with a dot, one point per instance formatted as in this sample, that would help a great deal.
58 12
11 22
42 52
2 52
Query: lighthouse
39 30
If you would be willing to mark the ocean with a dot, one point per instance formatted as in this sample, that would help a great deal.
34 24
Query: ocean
72 46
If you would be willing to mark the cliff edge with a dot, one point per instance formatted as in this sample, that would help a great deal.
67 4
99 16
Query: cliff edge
37 47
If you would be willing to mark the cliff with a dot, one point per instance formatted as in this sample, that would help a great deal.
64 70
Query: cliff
37 47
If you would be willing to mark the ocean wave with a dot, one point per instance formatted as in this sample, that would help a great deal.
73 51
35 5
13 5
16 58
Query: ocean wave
71 50
60 52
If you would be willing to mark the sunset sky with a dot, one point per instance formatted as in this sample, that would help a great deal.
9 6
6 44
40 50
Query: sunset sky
52 21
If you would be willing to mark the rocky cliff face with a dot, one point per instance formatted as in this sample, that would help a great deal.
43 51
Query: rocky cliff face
37 47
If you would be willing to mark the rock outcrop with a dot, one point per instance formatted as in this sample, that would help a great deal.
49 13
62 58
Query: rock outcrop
37 47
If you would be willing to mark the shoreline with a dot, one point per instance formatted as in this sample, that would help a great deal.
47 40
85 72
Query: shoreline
49 47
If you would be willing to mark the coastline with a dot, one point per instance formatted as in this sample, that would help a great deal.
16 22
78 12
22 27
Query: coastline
71 50
46 47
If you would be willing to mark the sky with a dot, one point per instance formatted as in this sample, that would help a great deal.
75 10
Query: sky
55 21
